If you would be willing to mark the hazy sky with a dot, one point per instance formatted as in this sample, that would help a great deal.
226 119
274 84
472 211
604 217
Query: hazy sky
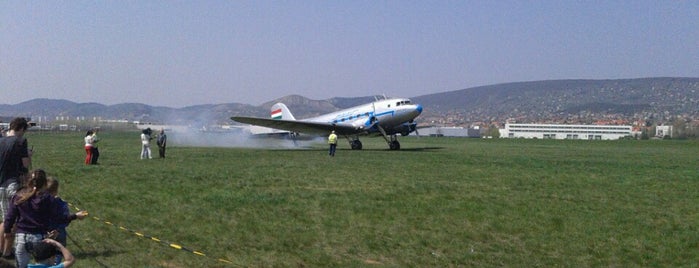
180 53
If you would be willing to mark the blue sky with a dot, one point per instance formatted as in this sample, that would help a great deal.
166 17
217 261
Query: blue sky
181 53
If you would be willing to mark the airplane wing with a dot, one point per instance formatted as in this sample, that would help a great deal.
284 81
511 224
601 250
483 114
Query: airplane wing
299 126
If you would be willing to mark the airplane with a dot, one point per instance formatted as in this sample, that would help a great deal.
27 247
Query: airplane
387 117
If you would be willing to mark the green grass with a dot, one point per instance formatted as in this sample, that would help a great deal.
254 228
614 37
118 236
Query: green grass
439 202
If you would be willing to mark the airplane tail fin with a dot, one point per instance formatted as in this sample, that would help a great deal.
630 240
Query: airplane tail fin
281 112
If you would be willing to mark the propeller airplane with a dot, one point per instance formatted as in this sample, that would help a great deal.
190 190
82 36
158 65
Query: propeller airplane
387 117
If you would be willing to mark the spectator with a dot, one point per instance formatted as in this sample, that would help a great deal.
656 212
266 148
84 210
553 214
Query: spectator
45 251
145 143
15 161
60 228
162 142
95 151
88 147
31 211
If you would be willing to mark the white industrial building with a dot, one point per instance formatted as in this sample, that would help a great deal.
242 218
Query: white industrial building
574 132
450 132
662 131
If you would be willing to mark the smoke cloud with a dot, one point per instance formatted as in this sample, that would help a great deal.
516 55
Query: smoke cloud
236 138
206 131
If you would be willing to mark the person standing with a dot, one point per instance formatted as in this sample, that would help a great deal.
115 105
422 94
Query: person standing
88 147
52 185
145 144
95 151
15 162
162 142
332 141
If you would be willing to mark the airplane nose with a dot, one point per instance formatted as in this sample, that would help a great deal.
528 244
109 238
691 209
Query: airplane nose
419 108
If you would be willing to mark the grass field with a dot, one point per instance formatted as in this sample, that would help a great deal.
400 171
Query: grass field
439 202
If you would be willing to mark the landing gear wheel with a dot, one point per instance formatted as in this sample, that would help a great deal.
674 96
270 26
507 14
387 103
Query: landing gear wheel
394 145
356 145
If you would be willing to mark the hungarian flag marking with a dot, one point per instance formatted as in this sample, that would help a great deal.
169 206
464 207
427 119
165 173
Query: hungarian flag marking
277 114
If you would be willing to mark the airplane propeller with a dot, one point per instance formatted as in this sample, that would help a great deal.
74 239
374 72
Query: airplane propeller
416 133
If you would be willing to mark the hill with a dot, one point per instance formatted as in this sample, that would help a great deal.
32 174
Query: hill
646 98
655 99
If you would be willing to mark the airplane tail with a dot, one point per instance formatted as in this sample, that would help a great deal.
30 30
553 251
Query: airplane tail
281 112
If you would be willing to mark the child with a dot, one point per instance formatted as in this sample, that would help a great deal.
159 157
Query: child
31 212
45 251
58 230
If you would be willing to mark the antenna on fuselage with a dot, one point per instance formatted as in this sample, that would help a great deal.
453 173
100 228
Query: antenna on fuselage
376 97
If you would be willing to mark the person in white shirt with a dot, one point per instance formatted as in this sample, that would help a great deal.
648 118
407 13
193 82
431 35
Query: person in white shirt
145 143
88 147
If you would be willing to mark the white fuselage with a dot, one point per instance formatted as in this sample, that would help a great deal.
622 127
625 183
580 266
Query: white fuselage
389 113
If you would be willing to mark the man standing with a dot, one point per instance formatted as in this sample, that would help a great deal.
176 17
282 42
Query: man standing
332 140
145 144
162 142
15 162
95 151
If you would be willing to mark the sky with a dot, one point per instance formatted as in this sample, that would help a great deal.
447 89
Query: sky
181 53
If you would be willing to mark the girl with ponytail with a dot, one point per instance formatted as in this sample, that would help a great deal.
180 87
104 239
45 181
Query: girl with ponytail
31 212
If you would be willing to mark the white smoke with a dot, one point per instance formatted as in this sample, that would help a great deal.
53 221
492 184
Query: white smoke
237 138
207 133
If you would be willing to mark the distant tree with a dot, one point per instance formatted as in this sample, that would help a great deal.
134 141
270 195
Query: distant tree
692 131
679 127
493 131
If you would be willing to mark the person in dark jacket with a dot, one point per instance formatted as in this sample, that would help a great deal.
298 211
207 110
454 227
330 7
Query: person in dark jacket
162 142
15 162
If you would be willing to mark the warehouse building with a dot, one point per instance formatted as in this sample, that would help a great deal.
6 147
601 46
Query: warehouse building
574 132
450 132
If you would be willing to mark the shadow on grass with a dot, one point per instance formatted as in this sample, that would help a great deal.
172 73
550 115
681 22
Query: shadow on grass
421 149
92 254
96 253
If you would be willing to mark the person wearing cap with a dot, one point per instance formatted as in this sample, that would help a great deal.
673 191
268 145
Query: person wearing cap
332 141
45 251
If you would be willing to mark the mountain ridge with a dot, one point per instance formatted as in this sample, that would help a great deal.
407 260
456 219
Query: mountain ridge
658 98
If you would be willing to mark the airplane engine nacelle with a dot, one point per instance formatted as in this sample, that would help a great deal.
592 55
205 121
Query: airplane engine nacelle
407 128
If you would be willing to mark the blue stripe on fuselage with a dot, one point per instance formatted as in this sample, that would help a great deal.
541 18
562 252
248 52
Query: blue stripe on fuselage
368 122
357 116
